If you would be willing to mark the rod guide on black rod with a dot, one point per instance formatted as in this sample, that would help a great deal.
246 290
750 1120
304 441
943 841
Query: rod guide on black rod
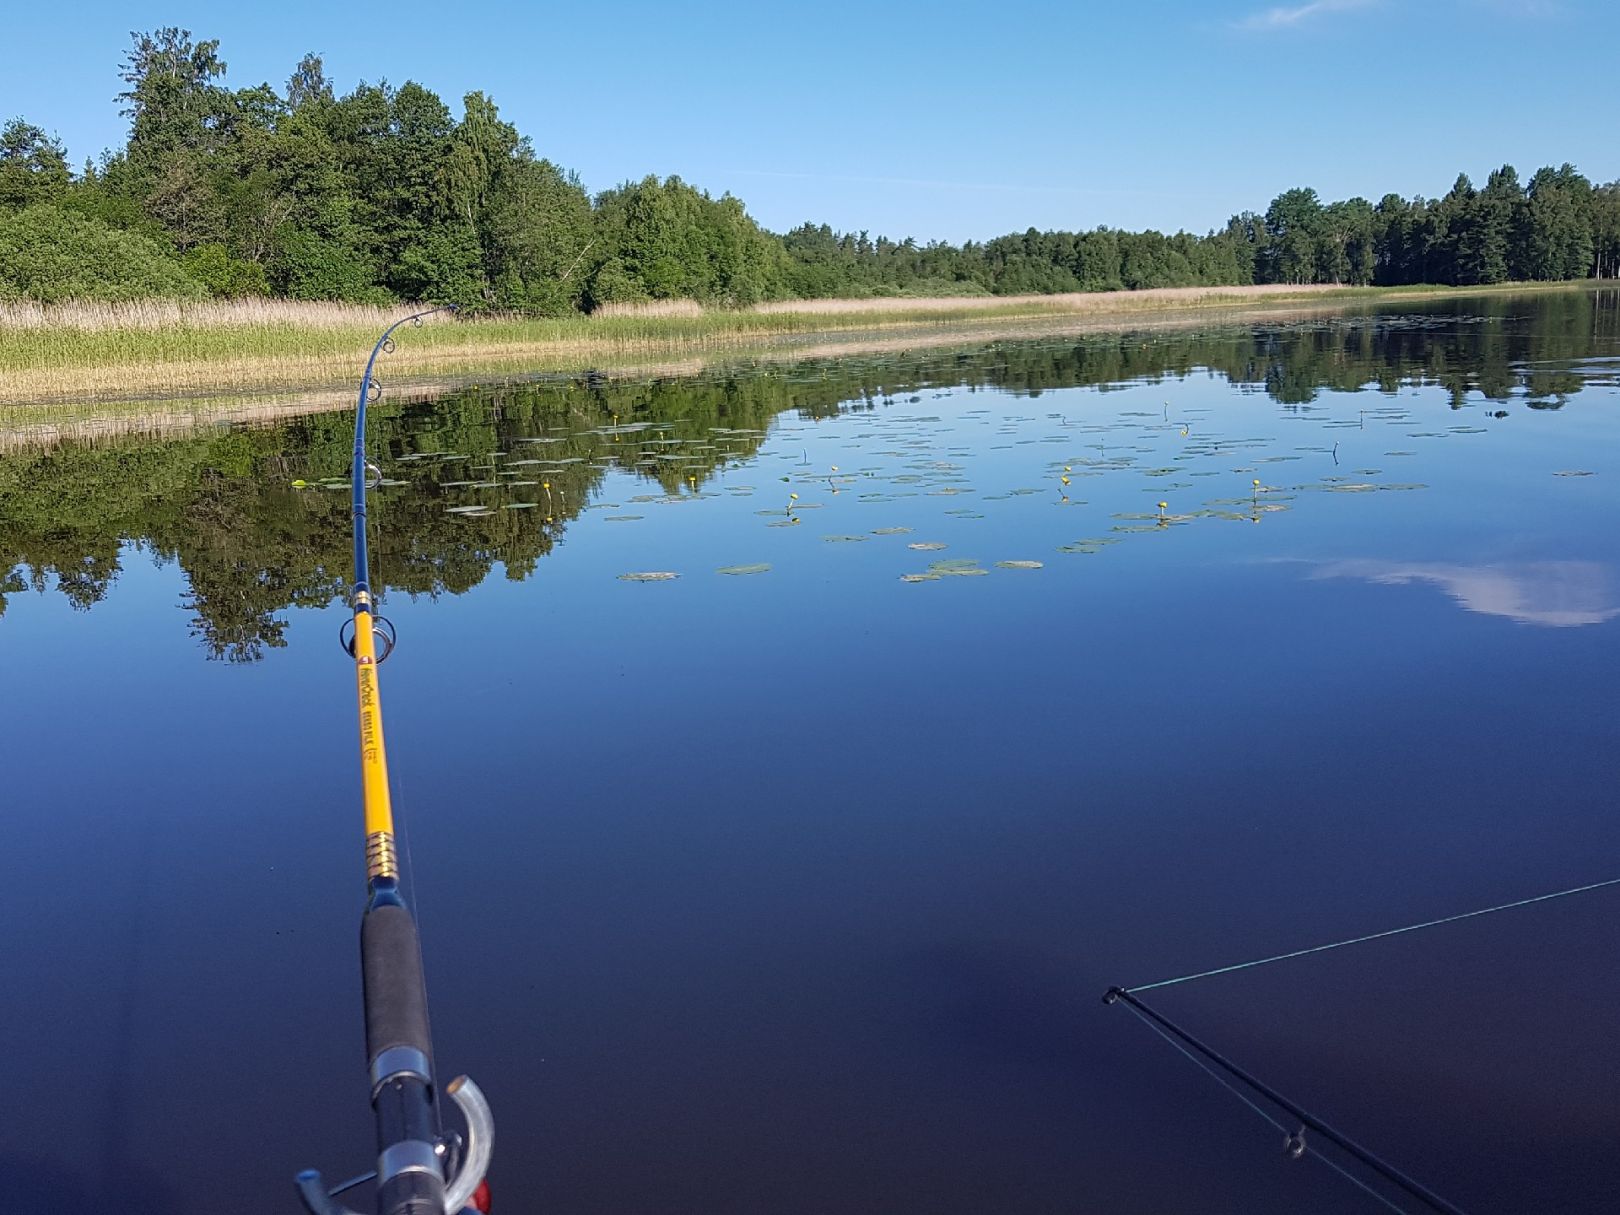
1296 1145
420 1170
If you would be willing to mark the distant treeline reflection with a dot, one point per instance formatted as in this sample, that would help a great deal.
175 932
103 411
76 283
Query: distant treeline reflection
251 545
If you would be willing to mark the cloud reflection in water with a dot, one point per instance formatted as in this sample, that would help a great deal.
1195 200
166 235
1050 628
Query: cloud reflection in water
1554 594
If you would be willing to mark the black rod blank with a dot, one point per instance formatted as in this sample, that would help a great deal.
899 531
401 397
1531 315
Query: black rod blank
1349 1146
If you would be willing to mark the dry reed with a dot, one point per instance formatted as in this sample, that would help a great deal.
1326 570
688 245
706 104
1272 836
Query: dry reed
649 308
90 316
165 350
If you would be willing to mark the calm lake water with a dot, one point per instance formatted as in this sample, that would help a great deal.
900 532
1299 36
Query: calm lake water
796 889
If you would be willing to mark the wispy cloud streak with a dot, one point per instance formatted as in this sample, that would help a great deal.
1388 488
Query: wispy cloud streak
1289 16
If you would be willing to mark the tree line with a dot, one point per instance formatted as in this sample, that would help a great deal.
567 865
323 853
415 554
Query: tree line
382 194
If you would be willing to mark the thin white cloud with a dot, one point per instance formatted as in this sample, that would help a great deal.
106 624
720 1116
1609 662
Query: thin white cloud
1290 16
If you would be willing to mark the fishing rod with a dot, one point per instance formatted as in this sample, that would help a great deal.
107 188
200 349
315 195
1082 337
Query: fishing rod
1295 1145
1222 1068
420 1170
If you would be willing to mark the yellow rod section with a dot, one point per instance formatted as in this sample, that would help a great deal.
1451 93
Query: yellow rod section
380 855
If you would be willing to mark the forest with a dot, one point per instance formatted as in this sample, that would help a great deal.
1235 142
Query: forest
382 194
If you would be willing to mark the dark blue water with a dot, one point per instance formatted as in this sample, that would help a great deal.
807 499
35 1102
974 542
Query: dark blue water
798 890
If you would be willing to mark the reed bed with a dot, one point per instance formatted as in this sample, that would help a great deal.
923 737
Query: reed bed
172 350
95 316
649 308
77 350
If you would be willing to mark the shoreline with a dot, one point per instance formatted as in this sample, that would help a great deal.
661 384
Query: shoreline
166 377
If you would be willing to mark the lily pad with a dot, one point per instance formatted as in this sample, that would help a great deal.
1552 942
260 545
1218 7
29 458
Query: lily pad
649 576
758 568
1020 565
927 546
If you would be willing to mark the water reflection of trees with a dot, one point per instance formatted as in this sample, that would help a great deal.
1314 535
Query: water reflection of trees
251 546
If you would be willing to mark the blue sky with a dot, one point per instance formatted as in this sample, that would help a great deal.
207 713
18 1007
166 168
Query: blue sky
935 120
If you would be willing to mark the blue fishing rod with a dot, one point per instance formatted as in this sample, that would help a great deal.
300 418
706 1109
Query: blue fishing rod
420 1170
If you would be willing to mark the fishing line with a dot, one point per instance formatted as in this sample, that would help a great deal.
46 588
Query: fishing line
374 550
1211 1072
1356 1181
1374 936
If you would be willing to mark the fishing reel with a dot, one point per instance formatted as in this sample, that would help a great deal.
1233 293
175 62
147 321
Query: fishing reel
461 1163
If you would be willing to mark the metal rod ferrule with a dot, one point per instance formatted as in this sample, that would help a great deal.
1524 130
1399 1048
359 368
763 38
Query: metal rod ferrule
398 1061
